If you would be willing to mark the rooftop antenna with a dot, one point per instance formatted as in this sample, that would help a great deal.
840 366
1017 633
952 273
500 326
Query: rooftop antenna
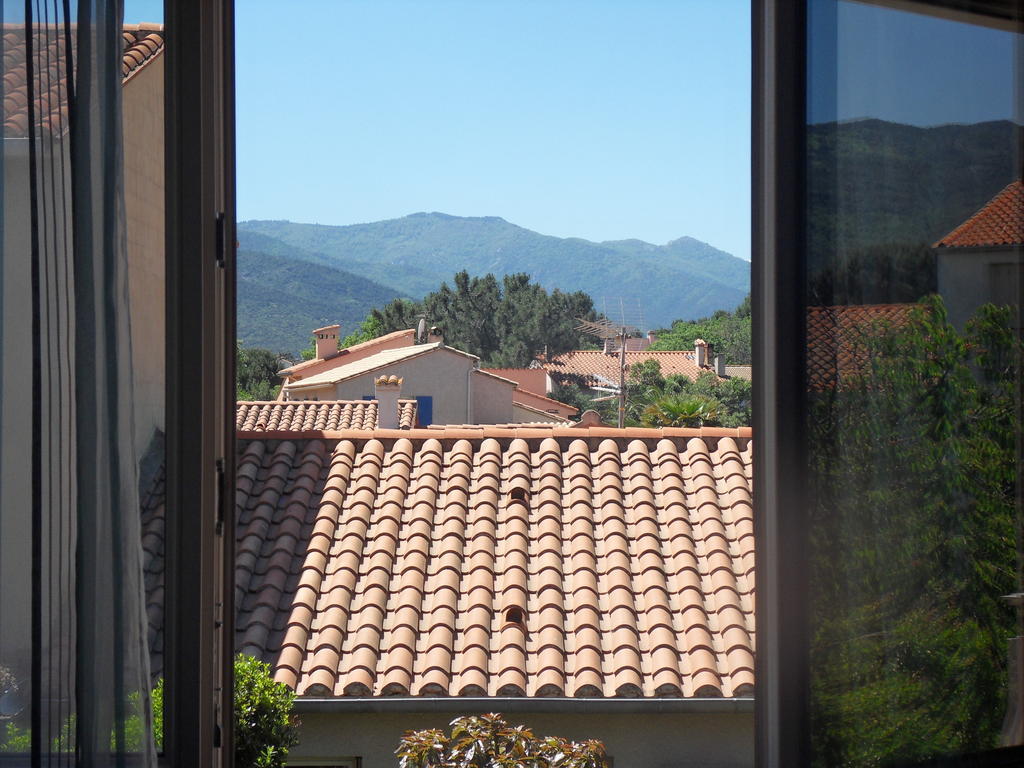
605 328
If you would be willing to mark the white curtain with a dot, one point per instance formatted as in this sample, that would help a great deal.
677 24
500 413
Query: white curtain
74 679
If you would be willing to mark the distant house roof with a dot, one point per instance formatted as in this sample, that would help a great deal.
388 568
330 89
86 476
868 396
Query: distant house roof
369 364
999 222
740 372
836 339
488 561
597 367
143 43
363 349
306 416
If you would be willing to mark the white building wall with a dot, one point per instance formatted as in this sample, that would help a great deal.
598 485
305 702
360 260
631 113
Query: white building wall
492 400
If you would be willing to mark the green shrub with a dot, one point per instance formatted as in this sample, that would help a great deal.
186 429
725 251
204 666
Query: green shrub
487 741
264 727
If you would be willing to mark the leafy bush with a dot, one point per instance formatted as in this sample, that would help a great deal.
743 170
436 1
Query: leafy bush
264 727
487 741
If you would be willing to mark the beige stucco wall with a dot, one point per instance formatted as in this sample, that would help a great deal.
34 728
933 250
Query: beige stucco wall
966 280
492 400
441 374
633 740
143 125
522 415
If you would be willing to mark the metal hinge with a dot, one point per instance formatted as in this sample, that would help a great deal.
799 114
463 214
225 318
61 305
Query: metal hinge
222 242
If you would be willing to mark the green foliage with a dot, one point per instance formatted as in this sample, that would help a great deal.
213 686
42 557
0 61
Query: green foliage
15 739
370 328
683 278
265 729
728 333
913 513
681 411
506 324
487 741
256 374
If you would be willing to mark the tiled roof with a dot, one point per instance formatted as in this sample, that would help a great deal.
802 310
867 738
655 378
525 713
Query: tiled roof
999 222
499 562
350 354
366 365
153 545
599 368
740 372
314 415
836 336
142 44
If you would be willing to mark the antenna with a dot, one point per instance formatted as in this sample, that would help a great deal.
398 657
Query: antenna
607 329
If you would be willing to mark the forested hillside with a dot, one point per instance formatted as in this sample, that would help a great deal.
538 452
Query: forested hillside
684 278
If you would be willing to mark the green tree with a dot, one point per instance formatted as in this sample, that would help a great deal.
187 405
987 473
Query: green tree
728 333
487 741
912 529
506 323
256 373
265 728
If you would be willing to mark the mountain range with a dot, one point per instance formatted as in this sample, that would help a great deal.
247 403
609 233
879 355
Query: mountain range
294 277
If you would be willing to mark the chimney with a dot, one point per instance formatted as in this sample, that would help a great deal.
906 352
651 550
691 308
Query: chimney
434 335
720 365
701 351
326 341
387 390
609 346
651 337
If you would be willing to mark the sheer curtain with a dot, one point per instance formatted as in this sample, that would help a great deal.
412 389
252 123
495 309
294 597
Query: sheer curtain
74 677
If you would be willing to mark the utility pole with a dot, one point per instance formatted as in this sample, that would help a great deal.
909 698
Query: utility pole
622 378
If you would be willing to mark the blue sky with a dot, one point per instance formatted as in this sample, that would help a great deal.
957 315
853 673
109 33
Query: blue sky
600 119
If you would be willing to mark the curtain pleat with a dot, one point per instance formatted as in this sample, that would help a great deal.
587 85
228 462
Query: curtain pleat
74 675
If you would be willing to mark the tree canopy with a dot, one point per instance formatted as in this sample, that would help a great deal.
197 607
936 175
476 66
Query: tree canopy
256 373
506 323
912 533
728 333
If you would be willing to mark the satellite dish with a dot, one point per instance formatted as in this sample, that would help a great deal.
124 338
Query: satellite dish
421 330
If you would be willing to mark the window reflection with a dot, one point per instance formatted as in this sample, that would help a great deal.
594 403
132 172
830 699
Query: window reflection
913 368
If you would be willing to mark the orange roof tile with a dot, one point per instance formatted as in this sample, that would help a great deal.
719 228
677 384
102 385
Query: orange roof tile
499 562
596 367
316 415
999 222
836 339
142 43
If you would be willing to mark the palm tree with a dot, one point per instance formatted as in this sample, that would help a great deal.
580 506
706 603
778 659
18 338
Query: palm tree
682 411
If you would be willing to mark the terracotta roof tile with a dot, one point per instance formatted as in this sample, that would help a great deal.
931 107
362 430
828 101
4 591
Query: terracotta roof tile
568 562
999 222
142 43
393 340
309 416
602 369
836 348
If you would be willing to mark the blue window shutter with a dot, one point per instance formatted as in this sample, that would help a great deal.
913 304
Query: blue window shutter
367 397
424 410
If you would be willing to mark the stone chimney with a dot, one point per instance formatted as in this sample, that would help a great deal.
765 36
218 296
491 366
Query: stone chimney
387 390
702 351
434 335
326 341
609 347
720 365
651 337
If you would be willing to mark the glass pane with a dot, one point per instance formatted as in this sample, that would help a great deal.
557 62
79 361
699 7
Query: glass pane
914 232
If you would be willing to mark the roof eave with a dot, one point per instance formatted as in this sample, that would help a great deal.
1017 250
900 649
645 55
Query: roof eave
546 705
